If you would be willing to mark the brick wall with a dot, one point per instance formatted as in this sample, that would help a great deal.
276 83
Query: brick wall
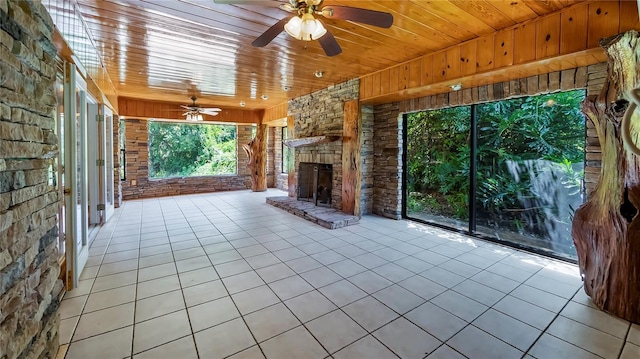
321 113
137 168
387 167
29 286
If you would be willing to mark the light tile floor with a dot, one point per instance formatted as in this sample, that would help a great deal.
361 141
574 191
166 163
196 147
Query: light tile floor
226 275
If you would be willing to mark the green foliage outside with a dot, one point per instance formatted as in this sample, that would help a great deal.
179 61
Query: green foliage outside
530 160
180 149
438 161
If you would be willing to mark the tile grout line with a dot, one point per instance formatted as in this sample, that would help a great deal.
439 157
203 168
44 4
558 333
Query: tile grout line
235 305
346 257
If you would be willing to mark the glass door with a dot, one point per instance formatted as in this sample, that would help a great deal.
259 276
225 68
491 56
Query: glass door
75 174
438 162
60 88
95 168
509 170
108 169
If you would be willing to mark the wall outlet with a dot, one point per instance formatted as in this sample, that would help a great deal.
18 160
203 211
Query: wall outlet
134 182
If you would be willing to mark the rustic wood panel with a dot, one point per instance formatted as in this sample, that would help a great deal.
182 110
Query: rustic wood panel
376 84
573 36
468 58
453 66
394 78
503 48
414 73
551 33
439 66
384 81
629 16
485 53
560 62
548 36
524 38
426 65
604 20
351 158
403 76
368 86
276 115
131 107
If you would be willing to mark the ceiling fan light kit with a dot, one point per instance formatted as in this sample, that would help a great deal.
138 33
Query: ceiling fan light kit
304 26
194 117
194 111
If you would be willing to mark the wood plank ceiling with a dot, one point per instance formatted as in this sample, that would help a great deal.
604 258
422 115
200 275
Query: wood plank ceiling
169 50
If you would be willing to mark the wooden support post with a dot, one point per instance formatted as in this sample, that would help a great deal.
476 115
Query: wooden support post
351 165
606 229
257 152
291 170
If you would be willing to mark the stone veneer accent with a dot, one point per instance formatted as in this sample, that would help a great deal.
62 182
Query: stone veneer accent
387 169
137 168
321 113
367 160
271 157
29 286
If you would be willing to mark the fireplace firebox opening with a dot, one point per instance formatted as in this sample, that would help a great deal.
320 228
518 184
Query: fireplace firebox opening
315 183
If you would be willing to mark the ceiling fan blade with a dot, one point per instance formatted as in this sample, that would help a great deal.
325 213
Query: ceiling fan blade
330 44
270 34
365 16
211 109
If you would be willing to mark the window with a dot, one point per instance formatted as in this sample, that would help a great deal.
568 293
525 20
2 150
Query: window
287 152
182 149
510 170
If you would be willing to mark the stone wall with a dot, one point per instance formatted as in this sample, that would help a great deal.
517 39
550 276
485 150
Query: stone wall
321 113
387 161
271 157
388 126
29 287
137 168
367 160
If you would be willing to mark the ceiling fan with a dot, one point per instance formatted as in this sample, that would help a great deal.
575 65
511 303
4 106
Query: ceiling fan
304 26
195 112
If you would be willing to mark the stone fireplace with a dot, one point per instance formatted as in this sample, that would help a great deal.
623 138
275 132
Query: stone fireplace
315 183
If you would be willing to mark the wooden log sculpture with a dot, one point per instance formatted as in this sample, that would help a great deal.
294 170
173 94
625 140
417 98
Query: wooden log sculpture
257 162
606 229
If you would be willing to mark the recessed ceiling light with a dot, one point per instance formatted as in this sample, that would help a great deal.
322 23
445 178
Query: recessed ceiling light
242 104
286 88
318 74
264 97
456 87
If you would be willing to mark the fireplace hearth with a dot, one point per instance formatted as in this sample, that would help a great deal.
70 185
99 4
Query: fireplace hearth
315 183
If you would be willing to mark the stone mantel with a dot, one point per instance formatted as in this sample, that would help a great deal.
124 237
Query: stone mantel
310 141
